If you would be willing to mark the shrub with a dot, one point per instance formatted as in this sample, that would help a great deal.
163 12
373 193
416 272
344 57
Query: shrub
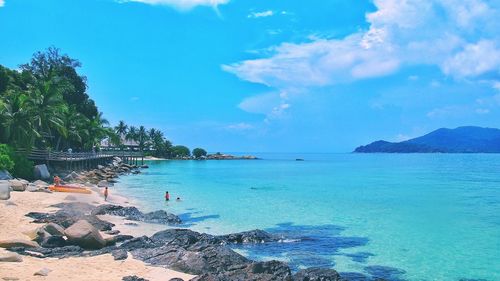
23 168
6 162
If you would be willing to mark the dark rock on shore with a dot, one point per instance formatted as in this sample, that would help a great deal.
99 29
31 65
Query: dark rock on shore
132 213
255 271
317 274
133 278
119 255
66 219
252 236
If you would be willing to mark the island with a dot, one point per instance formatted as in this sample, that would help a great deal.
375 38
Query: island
467 139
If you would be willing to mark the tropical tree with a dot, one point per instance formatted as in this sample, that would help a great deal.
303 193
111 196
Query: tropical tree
199 152
142 137
180 151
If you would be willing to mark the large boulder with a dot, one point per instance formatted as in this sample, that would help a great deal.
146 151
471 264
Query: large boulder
132 213
5 175
261 271
103 183
17 185
317 274
252 237
41 172
4 190
85 235
11 243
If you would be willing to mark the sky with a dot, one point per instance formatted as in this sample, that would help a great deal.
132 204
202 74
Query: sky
274 75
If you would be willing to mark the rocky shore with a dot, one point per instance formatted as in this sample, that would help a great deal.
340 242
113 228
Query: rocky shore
72 228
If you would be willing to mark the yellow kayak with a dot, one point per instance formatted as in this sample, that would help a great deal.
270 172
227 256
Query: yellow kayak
69 188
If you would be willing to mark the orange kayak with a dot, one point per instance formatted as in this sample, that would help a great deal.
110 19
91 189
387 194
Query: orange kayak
69 188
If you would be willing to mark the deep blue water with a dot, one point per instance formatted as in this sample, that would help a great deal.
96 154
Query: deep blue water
396 216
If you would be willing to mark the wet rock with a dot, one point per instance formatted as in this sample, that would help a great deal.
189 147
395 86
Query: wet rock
252 236
41 172
261 271
144 166
317 274
119 254
85 235
11 243
17 185
53 242
10 257
4 190
42 272
133 278
132 213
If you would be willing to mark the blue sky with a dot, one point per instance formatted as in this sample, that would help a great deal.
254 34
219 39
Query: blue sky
274 75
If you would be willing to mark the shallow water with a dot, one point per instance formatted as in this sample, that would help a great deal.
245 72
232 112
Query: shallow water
396 216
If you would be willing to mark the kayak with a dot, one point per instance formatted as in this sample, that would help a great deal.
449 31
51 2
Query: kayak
69 188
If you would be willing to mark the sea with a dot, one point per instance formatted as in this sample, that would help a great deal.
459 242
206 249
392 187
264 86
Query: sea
368 216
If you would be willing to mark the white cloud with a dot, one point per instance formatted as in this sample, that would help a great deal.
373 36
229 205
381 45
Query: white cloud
262 14
459 36
2 3
180 4
240 127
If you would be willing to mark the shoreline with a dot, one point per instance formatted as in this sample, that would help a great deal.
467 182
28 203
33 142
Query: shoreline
145 242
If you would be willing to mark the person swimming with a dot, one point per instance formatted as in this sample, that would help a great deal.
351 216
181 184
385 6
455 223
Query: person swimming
167 196
178 199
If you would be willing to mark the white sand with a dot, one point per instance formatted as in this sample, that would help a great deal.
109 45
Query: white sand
14 224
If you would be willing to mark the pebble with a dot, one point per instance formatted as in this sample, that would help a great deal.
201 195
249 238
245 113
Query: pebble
43 272
10 257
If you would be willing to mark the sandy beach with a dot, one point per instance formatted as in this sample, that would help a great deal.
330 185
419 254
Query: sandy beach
16 225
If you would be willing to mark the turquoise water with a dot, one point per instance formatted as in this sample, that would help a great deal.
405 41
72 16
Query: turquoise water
398 216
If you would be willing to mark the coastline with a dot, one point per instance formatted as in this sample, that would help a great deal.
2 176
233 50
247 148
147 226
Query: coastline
101 267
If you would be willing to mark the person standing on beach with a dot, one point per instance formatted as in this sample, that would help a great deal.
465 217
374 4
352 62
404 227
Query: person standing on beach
167 196
106 193
57 181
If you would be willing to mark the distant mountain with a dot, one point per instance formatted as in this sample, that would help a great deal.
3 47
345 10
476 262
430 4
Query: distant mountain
460 140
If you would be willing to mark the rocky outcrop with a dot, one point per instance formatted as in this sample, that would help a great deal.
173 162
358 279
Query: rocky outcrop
133 278
4 190
85 235
317 274
132 213
252 236
255 271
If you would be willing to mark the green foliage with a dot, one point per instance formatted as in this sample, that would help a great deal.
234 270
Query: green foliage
180 151
23 168
6 162
199 152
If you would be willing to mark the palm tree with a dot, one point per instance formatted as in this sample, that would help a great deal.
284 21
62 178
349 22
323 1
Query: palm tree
132 133
121 129
142 137
98 130
17 120
47 108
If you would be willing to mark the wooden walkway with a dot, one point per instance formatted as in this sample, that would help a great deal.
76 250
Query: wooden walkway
83 159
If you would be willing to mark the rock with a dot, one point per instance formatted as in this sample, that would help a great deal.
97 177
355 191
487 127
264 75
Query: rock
85 235
144 166
252 236
5 175
11 243
119 255
43 272
100 167
54 229
317 274
40 183
59 252
262 271
133 278
4 190
70 198
117 239
32 188
53 242
10 257
131 224
176 279
132 213
17 185
103 183
41 172
112 232
10 278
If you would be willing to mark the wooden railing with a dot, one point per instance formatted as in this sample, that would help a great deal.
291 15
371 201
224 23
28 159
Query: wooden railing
47 155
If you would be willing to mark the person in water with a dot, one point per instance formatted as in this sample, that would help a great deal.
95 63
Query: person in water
106 193
57 181
178 199
167 196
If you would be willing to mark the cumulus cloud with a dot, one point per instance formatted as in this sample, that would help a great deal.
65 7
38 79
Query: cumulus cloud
180 4
262 14
2 3
460 37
